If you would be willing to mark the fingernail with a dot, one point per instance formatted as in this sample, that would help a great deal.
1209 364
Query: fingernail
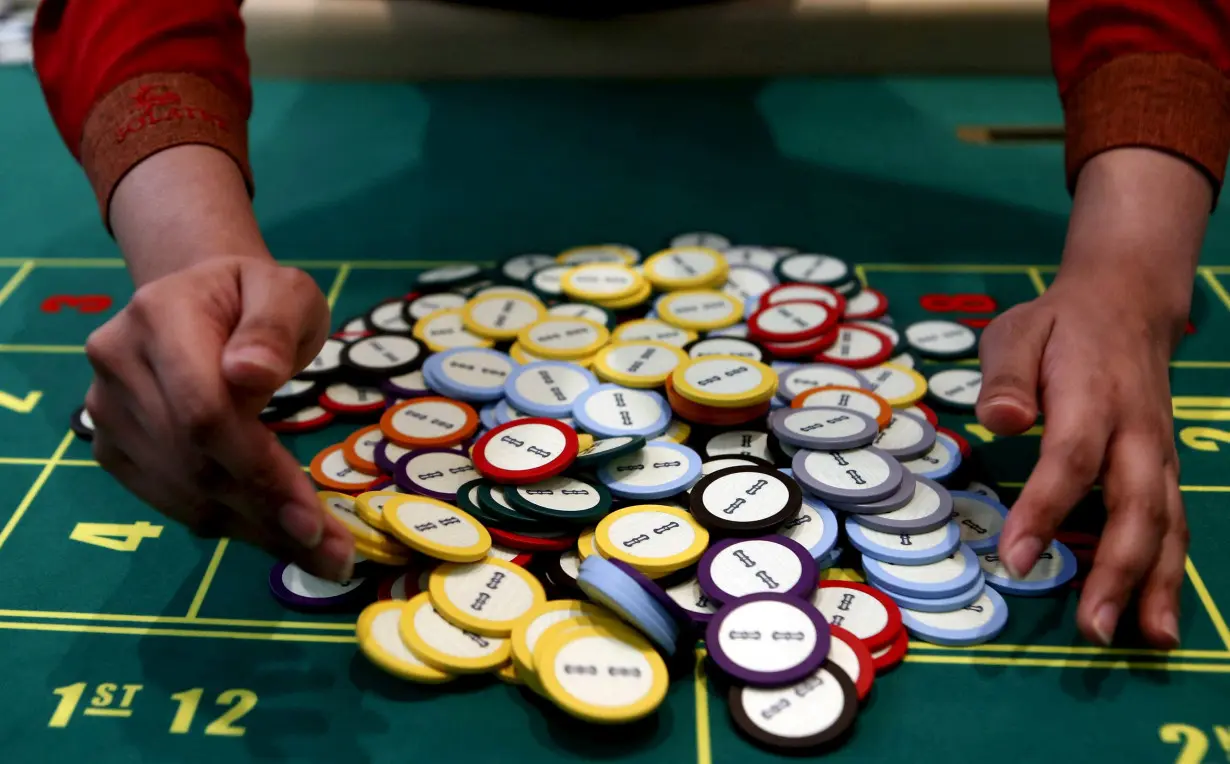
303 524
1023 556
1105 619
1169 624
1004 400
339 551
256 355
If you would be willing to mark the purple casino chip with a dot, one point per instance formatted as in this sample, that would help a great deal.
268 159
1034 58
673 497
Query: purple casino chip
902 496
409 385
695 603
434 472
386 454
824 428
659 594
848 477
300 590
737 568
768 640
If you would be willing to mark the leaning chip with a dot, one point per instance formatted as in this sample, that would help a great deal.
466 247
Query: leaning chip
486 597
380 640
436 529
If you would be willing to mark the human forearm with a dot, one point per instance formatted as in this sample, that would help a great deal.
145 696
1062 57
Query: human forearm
180 207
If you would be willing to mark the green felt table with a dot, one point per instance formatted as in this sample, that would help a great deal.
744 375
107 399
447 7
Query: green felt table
173 650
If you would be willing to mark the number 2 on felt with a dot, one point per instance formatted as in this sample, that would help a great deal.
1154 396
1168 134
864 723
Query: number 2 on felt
82 303
115 536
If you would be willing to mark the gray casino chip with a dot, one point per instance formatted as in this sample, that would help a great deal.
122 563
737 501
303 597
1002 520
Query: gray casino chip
906 436
848 477
823 428
930 508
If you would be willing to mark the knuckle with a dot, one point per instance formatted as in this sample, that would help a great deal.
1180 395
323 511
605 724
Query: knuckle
1080 457
103 347
200 415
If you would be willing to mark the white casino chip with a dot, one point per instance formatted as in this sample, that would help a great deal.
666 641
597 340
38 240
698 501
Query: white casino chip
449 274
388 317
956 387
746 283
501 316
486 597
942 339
813 268
701 239
653 329
740 442
446 329
519 267
422 307
761 258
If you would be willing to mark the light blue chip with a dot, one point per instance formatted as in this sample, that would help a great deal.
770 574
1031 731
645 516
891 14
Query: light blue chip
939 605
658 470
1056 566
609 586
487 416
904 548
608 411
939 463
548 388
469 374
980 621
945 578
814 527
980 517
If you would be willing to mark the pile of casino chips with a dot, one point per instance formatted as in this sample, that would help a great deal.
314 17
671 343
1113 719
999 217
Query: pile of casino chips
569 469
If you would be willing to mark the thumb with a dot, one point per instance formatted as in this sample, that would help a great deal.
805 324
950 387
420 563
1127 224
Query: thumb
1011 353
283 323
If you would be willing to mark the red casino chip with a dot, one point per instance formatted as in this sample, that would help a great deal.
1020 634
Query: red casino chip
866 664
855 615
349 400
525 542
962 444
792 321
930 415
788 350
868 304
309 419
857 347
889 658
823 294
525 451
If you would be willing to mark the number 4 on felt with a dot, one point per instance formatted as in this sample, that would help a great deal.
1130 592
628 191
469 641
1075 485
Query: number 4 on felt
116 536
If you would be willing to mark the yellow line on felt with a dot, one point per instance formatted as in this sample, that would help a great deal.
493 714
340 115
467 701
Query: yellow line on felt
207 579
39 481
144 631
1216 286
1184 488
178 620
1064 663
43 349
1036 277
1200 364
380 265
861 272
1110 652
15 280
339 281
704 754
66 262
1206 599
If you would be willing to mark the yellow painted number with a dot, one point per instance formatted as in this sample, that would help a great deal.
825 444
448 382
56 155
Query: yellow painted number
240 702
20 405
1195 743
70 696
1202 408
115 536
986 436
1203 438
1223 738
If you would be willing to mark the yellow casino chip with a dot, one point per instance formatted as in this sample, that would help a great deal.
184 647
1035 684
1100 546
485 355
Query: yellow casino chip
631 301
585 543
443 646
380 640
601 282
628 680
501 316
653 329
508 674
701 310
446 329
686 268
642 364
899 385
486 597
656 539
370 506
563 339
437 529
381 556
530 627
724 381
599 253
345 509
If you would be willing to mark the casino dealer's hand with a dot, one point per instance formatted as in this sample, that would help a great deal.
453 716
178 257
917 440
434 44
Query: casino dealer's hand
181 374
1093 355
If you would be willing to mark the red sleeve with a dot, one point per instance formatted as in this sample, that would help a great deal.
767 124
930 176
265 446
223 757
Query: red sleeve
125 79
1144 73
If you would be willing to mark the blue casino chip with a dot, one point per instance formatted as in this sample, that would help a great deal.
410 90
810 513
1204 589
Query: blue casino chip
980 621
608 411
940 605
548 388
609 586
469 374
946 578
658 470
1056 566
904 548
